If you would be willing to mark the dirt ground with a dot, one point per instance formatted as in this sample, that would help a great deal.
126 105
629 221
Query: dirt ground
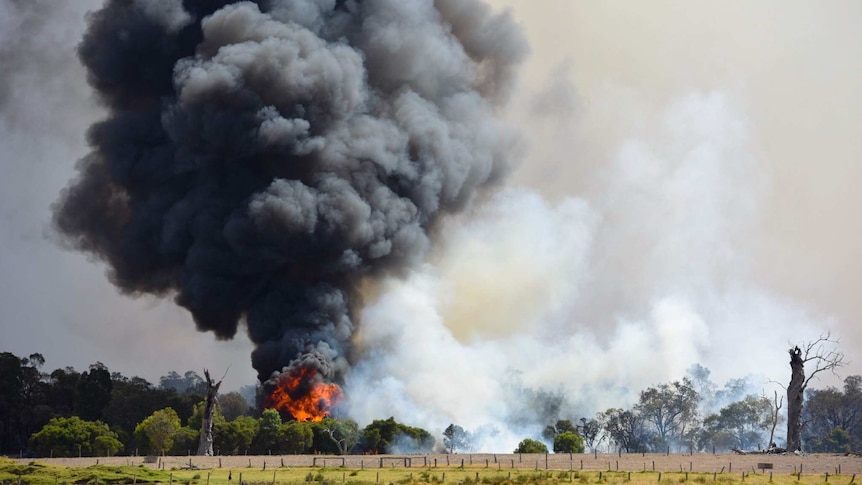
699 462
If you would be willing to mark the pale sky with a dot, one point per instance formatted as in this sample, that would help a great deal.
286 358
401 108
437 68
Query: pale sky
612 92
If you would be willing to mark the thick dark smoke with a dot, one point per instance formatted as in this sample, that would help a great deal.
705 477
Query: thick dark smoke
260 159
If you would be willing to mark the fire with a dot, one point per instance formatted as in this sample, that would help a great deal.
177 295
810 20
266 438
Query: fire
302 394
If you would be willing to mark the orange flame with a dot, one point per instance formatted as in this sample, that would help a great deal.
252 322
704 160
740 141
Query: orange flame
302 394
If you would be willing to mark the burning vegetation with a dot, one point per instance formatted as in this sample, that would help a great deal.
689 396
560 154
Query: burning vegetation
303 395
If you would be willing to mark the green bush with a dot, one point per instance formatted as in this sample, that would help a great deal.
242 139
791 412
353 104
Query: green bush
568 442
531 446
74 436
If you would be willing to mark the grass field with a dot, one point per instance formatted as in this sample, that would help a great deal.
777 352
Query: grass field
433 469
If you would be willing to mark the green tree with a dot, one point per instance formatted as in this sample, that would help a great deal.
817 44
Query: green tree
371 442
561 426
73 437
296 437
590 430
233 405
390 436
109 445
158 430
267 439
190 382
93 392
36 408
411 440
455 439
625 428
828 409
853 401
335 436
746 420
713 435
11 387
185 441
568 442
184 404
382 431
196 419
62 391
531 446
132 400
670 408
837 441
234 437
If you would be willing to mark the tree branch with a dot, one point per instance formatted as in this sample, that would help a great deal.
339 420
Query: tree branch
824 354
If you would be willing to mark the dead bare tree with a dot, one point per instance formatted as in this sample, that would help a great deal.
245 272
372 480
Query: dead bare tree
774 417
205 448
823 355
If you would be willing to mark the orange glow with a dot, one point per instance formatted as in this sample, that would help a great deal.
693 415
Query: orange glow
302 394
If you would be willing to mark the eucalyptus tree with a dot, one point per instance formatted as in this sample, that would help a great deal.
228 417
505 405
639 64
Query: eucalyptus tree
671 409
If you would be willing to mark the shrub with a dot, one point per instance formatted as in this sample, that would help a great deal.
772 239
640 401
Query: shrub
531 446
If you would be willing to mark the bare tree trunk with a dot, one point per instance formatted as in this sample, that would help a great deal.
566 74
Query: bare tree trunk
795 392
776 407
205 448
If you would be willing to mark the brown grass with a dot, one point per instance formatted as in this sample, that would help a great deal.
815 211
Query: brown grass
820 463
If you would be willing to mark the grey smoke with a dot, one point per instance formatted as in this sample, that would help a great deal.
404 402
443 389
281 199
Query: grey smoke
260 160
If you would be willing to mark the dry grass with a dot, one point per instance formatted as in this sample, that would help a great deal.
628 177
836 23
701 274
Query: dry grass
814 464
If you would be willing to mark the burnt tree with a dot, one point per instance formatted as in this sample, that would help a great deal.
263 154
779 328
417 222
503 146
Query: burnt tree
822 354
205 448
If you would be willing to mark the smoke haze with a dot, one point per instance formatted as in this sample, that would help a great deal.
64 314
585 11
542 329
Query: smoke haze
687 195
592 298
663 229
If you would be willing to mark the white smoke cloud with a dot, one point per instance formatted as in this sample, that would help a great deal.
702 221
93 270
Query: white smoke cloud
596 297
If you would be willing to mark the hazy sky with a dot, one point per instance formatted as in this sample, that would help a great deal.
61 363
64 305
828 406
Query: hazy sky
686 161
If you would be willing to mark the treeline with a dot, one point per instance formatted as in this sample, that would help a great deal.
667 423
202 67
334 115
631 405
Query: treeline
97 413
30 398
164 433
694 414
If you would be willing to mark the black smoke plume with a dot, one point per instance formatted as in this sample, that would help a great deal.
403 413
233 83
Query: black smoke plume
260 159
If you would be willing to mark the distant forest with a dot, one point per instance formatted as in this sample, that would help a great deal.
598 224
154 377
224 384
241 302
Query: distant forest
97 413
